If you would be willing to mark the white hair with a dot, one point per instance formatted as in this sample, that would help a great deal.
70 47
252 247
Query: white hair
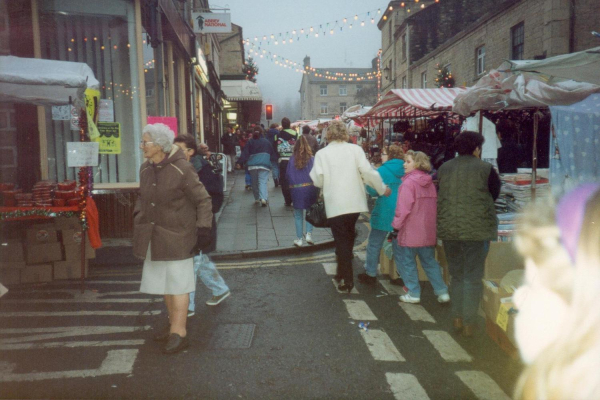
161 135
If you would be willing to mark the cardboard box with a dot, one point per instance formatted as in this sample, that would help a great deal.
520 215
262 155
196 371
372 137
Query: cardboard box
73 252
43 253
10 276
388 266
68 270
502 338
493 296
36 273
62 223
11 251
41 234
72 237
501 258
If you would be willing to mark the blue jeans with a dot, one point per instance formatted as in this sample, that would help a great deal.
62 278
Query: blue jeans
248 178
260 178
376 239
275 169
405 260
466 260
209 275
299 220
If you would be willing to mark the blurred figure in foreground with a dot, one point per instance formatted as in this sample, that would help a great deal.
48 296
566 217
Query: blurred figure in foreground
558 324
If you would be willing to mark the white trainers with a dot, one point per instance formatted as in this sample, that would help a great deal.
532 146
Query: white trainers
407 298
263 202
309 239
298 242
444 298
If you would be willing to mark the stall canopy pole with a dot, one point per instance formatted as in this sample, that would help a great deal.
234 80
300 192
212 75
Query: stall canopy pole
536 122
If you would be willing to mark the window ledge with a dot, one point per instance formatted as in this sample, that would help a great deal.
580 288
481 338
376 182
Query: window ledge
104 187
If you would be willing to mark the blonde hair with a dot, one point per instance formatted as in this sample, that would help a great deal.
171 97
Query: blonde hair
395 152
337 132
302 153
568 367
421 160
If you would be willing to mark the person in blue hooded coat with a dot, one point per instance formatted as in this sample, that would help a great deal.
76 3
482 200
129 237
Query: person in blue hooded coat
381 218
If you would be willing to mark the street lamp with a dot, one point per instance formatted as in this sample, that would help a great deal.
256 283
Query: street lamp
386 73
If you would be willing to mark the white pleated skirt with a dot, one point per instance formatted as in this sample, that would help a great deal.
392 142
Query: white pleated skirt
168 277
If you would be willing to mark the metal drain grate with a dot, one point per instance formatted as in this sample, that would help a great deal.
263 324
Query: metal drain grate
233 336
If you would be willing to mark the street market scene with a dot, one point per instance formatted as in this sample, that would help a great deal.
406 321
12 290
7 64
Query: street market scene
264 200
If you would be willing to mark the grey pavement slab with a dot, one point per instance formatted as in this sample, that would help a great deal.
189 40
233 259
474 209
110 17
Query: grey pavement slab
244 225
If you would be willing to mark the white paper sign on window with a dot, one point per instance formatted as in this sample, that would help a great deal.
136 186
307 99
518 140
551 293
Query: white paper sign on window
82 154
106 111
61 113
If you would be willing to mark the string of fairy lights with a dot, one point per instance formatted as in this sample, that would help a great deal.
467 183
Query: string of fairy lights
257 47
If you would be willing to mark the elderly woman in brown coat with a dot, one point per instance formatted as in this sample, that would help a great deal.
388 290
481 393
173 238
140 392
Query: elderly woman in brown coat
172 221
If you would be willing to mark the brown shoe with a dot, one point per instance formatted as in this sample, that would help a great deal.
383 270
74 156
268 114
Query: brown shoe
468 330
458 324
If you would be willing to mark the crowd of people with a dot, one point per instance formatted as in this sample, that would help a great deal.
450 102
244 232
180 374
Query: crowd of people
180 191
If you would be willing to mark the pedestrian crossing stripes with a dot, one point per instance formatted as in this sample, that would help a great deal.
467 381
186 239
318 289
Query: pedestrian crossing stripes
482 385
392 289
448 348
381 346
359 310
405 387
416 312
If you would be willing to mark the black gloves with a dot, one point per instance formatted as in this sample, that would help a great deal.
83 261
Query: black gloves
203 240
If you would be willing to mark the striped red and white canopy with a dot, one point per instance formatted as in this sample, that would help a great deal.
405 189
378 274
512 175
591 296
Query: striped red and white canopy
406 103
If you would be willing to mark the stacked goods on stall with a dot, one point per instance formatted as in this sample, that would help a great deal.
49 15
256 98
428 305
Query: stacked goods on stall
43 194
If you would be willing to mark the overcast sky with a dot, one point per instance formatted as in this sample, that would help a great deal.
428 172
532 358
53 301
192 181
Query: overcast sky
354 47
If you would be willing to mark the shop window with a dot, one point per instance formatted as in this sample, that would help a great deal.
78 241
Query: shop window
324 108
323 90
343 91
106 43
517 39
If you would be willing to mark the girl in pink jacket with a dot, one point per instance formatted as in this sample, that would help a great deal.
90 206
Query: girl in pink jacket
415 223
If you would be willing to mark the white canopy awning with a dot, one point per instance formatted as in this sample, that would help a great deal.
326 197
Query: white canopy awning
242 90
583 66
43 82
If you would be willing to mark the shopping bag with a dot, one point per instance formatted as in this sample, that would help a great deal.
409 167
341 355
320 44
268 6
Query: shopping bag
316 215
238 151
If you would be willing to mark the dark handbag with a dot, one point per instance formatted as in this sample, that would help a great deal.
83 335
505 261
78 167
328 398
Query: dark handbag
316 215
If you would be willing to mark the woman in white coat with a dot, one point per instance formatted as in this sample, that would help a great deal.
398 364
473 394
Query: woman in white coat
341 169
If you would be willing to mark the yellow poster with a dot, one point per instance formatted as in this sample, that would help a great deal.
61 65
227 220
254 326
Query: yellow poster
92 102
502 317
109 137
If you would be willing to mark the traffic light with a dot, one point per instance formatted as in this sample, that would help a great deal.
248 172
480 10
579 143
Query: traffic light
269 111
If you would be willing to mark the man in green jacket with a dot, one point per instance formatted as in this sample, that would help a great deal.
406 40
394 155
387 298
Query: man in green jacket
467 222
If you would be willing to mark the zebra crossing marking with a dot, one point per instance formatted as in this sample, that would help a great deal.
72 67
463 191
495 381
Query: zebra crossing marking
392 289
359 310
381 346
482 385
448 348
405 387
416 312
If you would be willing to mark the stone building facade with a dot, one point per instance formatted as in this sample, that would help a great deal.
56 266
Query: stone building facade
470 44
324 97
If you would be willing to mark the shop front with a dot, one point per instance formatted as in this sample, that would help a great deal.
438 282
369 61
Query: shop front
244 103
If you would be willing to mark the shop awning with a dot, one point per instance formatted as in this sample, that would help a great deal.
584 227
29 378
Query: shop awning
402 103
242 90
43 82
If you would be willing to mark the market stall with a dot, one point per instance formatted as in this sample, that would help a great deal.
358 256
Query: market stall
565 86
41 252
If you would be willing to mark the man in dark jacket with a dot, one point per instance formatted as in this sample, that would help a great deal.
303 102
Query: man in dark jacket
213 183
272 135
285 148
229 141
312 141
467 223
258 156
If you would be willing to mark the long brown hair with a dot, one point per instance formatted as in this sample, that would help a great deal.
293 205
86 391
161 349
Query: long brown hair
302 153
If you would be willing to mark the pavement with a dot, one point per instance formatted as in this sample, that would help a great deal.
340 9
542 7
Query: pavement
245 229
248 230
